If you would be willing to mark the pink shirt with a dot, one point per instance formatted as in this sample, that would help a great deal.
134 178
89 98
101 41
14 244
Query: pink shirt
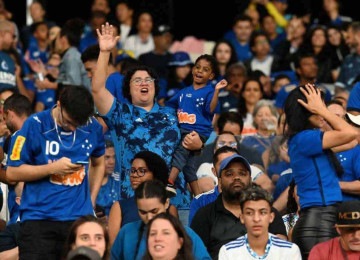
331 250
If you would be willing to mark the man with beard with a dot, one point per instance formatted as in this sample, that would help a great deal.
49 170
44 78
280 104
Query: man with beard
218 222
347 244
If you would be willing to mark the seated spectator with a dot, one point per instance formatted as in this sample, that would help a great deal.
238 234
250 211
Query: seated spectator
110 186
167 239
346 245
227 148
88 231
145 166
151 199
218 222
229 122
258 242
265 121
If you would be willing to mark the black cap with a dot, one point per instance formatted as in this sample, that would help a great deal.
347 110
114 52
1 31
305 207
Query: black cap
348 214
161 29
83 252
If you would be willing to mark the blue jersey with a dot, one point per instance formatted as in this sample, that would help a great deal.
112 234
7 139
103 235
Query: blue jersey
193 109
39 142
316 179
134 129
7 71
353 103
350 162
114 83
46 97
108 194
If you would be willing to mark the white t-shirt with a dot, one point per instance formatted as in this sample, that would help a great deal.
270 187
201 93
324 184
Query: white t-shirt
276 248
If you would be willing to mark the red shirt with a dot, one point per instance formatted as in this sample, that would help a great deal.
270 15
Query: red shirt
331 250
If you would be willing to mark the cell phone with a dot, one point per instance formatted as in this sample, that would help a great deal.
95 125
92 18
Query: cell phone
81 162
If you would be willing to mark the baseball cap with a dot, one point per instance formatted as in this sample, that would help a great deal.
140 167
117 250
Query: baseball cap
83 252
161 29
233 158
355 119
348 214
180 58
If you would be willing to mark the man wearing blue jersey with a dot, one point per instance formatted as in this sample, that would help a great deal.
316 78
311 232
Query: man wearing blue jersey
59 154
258 243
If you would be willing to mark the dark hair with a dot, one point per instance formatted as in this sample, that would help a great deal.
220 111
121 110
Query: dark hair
221 150
155 163
34 26
185 252
91 53
242 103
19 104
254 35
297 116
131 72
297 120
255 192
233 56
213 63
291 205
77 102
229 117
71 238
73 29
151 189
108 143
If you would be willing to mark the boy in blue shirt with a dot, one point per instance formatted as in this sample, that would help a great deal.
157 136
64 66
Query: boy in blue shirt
196 106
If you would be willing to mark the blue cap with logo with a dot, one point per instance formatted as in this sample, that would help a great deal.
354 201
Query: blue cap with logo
180 58
233 158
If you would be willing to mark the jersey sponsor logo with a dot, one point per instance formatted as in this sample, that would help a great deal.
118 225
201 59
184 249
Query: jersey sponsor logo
186 118
72 179
18 145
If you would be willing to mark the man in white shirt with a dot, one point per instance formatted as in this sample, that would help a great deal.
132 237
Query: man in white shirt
258 243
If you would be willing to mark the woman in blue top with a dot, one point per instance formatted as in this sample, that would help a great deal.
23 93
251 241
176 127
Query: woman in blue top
313 163
151 200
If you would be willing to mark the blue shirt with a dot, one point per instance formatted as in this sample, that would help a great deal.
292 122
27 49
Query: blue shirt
193 109
7 71
38 142
353 103
108 194
114 83
314 174
202 200
350 161
134 129
130 243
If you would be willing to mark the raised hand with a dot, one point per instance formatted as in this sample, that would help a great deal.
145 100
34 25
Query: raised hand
314 103
221 84
106 37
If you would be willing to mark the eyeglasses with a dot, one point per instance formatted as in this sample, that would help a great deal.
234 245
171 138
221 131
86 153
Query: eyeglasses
140 172
223 143
139 81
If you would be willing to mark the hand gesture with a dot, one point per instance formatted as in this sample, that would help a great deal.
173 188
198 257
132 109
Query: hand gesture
314 103
65 166
37 66
106 37
221 84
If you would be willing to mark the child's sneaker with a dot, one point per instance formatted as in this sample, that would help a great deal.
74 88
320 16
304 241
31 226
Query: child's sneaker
171 190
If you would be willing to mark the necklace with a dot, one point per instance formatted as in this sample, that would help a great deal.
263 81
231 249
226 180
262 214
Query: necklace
59 137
